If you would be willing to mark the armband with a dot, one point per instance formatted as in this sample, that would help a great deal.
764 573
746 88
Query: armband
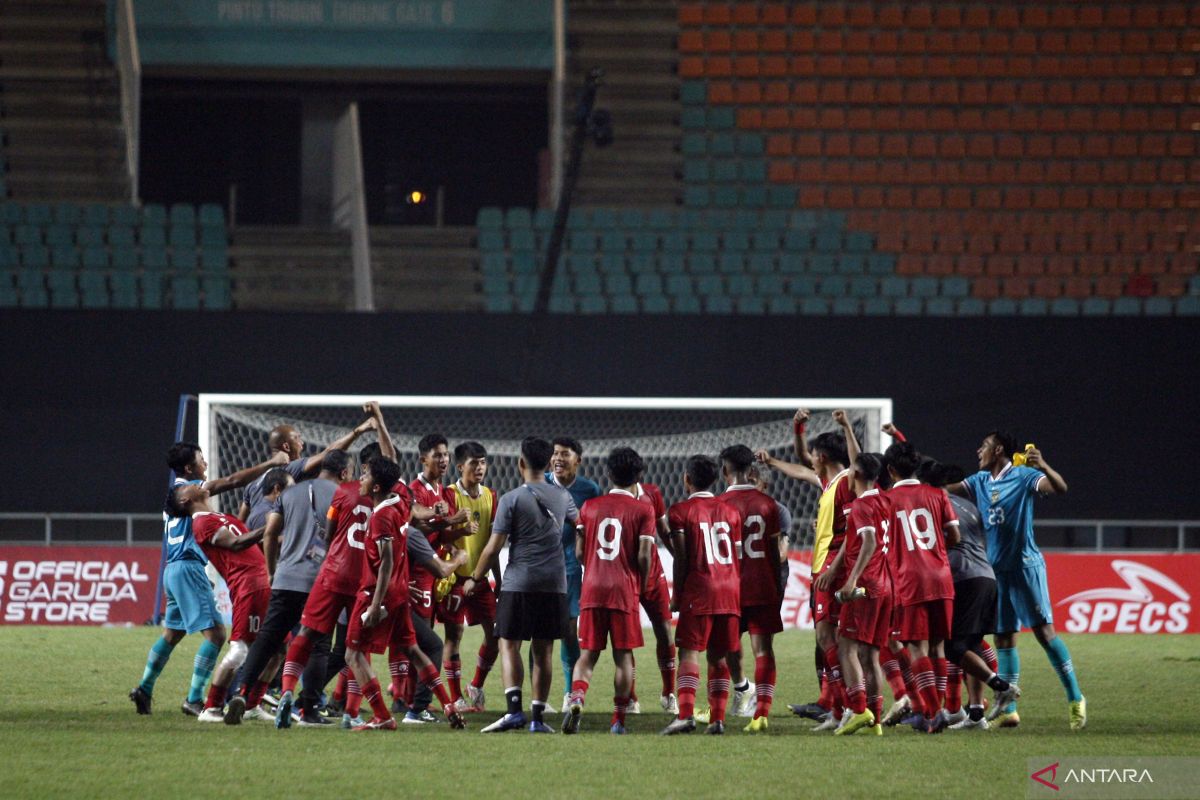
798 426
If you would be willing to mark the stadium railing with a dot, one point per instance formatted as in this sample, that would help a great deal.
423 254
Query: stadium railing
17 528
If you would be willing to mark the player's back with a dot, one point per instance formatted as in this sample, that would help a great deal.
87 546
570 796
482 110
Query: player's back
920 515
246 568
613 526
1006 507
650 494
760 523
389 520
177 533
712 531
873 511
343 564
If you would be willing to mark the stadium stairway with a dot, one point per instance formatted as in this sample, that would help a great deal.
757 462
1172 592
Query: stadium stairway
424 269
60 103
290 268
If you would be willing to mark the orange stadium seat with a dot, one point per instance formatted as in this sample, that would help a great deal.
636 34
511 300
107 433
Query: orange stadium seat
718 42
774 14
804 15
718 67
691 42
691 14
717 14
720 92
691 67
774 42
831 15
745 14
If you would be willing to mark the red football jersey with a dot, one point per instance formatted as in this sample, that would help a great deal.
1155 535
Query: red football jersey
871 515
243 570
651 494
920 569
613 526
760 526
843 496
712 531
342 569
389 520
430 494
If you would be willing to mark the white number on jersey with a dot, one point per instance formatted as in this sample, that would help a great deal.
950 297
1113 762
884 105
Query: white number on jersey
886 540
608 539
755 527
918 528
995 515
718 545
365 513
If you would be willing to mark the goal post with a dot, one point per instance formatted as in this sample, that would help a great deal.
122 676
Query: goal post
234 428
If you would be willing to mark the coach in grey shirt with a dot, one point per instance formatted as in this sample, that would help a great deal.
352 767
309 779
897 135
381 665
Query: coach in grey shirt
968 558
533 596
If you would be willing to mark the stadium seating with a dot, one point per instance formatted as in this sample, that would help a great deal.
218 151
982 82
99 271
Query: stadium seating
100 256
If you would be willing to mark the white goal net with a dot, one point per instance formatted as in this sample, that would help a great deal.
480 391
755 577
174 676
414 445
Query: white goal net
233 431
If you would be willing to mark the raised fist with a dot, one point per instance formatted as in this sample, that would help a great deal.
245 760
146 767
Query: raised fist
840 418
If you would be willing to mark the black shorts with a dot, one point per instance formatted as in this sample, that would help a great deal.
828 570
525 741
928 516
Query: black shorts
974 608
531 615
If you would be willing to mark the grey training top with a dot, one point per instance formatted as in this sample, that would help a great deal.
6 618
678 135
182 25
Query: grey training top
968 558
252 495
420 551
302 546
532 517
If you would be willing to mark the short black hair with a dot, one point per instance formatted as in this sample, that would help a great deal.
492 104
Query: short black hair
181 455
536 452
429 441
869 465
935 473
903 458
369 451
831 445
569 442
625 466
468 450
738 457
702 471
1006 440
384 472
335 461
275 479
172 504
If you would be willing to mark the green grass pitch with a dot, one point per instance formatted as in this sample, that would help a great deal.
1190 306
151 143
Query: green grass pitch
68 730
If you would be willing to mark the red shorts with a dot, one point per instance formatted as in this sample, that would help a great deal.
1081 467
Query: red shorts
404 635
323 607
716 632
595 625
396 626
249 611
761 620
825 607
480 607
657 600
868 621
926 621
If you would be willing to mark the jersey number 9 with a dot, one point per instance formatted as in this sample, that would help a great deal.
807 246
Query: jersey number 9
608 539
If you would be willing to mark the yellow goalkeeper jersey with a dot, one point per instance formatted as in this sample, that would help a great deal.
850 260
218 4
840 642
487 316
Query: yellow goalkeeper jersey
483 510
828 511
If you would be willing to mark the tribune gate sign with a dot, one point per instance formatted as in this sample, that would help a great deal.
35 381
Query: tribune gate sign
1090 593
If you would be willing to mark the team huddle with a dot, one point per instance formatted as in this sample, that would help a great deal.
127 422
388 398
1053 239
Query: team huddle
913 564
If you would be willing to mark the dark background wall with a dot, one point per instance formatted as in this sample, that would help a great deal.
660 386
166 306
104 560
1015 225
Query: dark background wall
88 400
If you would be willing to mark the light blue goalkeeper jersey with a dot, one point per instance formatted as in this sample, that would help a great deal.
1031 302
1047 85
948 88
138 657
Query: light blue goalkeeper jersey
177 531
1006 509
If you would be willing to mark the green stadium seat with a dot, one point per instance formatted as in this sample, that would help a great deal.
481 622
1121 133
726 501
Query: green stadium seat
493 264
858 242
881 264
152 236
612 242
582 242
126 214
643 241
802 286
524 263
722 144
671 263
185 293
688 219
760 263
593 304
877 306
184 259
489 218
612 264
723 171
648 283
120 235
679 285
656 304
717 304
721 118
673 242
524 303
725 196
731 263
623 304
525 285
154 259
183 215
792 263
579 263
90 235
57 235
939 307
823 264
562 304
895 287
693 93
64 257
123 257
845 306
781 196
182 237
1002 307
216 293
751 144
588 283
95 214
753 196
737 241
27 234
5 235
805 220
35 256
814 306
753 170
95 258
38 214
213 237
154 215
35 298
93 290
769 285
704 242
750 306
834 286
797 241
765 241
497 304
1127 306
922 286
828 240
491 241
741 286
688 304
909 306
211 215
496 284
515 218
617 285
522 240
971 307
851 263
1187 306
781 304
63 292
543 219
29 279
151 285
1034 307
702 263
1064 307
1158 307
642 262
214 260
861 286
955 287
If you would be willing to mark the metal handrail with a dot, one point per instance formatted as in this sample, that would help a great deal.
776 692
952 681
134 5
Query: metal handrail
129 67
48 519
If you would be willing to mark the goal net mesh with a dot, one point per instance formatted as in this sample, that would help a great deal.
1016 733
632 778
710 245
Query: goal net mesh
664 437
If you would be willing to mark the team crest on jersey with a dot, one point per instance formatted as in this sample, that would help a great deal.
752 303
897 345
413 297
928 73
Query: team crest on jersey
995 495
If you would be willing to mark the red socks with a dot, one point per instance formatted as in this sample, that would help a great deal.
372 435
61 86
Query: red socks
926 683
857 695
483 664
718 690
253 692
620 704
764 685
891 668
339 691
940 672
374 695
836 686
429 677
666 665
687 685
579 691
989 656
633 681
398 667
216 697
954 675
354 697
295 661
453 670
875 703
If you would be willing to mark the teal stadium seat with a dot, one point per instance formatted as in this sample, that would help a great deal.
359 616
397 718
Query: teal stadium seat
741 286
661 219
861 286
213 237
802 286
35 256
1126 307
182 237
489 218
93 290
58 235
154 214
769 285
753 170
814 306
750 144
1096 307
1158 307
617 285
184 259
1002 307
216 293
845 306
631 219
693 93
671 263
971 307
90 235
781 304
851 263
881 264
27 234
496 284
623 304
750 306
656 304
126 214
704 242
834 286
893 287
491 240
696 196
696 171
185 293
517 218
761 263
212 215
909 306
702 263
593 304
753 196
781 196
543 219
955 286
718 304
1034 307
562 304
673 241
151 285
648 284
923 286
680 285
63 292
522 240
642 262
1064 307
725 197
731 264
153 236
823 264
64 257
939 307
710 286
689 304
38 214
643 241
497 304
95 258
612 264
183 215
877 306
1188 306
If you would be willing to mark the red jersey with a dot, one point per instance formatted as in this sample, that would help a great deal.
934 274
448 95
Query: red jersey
843 496
871 515
243 570
760 527
613 526
712 531
920 569
389 521
430 494
343 565
652 495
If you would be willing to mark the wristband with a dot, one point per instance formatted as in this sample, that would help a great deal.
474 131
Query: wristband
798 426
436 519
898 436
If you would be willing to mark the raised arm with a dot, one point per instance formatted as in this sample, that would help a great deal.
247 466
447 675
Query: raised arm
799 444
1051 482
243 477
386 447
313 463
796 471
843 420
228 540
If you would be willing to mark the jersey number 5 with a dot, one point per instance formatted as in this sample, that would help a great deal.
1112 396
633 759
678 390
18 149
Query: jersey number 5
918 528
718 546
357 527
608 539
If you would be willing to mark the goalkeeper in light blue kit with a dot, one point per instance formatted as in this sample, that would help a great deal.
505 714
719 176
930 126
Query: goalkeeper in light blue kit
1004 490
